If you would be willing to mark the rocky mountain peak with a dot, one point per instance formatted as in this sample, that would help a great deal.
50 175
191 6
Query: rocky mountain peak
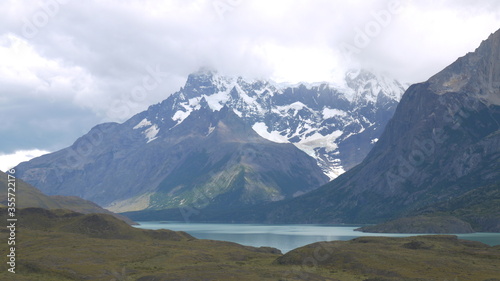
477 74
321 119
368 85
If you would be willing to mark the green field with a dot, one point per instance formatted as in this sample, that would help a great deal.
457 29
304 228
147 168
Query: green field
64 245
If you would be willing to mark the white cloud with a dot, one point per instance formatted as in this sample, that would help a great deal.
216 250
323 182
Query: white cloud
8 161
23 67
91 57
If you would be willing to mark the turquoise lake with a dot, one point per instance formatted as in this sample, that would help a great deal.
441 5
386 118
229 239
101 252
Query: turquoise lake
285 237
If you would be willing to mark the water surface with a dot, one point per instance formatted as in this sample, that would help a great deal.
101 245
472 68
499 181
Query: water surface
285 237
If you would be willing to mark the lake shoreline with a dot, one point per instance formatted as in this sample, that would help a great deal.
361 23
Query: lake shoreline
287 237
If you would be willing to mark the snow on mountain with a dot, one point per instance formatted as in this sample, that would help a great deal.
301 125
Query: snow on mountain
335 123
144 123
263 131
151 131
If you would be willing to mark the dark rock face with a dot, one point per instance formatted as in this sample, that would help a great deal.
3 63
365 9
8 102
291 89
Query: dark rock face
421 224
443 141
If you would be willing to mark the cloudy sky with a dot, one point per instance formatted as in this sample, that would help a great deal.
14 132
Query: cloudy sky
67 65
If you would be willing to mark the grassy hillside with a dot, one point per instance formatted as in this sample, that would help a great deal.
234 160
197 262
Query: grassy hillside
29 196
411 258
64 245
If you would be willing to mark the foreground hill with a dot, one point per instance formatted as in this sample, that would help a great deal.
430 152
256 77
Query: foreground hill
411 258
63 245
27 195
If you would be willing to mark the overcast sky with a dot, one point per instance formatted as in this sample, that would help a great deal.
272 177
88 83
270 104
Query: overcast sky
67 65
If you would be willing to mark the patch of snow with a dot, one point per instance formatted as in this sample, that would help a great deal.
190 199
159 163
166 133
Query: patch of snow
193 103
237 112
332 112
296 106
317 140
334 172
151 132
217 101
144 123
246 98
274 136
180 115
270 91
210 129
374 140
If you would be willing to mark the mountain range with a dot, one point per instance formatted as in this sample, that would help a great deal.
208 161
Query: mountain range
258 151
437 161
223 142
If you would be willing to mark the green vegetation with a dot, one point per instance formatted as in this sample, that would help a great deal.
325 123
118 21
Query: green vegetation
412 258
479 207
64 245
421 224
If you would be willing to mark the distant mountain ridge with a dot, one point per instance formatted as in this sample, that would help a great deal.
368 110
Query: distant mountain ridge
222 141
335 124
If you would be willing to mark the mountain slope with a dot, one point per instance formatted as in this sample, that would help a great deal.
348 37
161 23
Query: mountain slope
442 142
211 158
28 196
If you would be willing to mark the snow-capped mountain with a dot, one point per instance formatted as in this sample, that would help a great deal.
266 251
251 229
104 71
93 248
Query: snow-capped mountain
212 159
222 141
438 156
335 124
